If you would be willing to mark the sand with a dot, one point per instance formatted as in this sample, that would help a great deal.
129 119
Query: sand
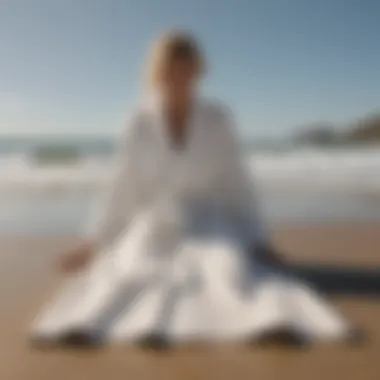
27 279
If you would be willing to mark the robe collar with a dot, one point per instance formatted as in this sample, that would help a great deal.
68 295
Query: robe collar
155 101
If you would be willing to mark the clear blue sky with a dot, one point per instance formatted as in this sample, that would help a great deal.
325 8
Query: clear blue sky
74 66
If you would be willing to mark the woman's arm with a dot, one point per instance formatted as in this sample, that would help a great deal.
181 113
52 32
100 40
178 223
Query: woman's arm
238 189
114 209
236 185
112 212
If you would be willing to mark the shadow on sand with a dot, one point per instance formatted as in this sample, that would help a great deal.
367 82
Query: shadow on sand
338 280
331 280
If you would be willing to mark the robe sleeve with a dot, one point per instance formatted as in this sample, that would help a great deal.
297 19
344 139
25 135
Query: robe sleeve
236 187
112 212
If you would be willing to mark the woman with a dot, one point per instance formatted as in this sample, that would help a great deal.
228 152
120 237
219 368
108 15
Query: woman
171 255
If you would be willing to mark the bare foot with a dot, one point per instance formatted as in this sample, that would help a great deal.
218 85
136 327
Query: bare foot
268 255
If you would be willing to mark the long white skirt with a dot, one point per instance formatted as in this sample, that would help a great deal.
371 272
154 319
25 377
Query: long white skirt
190 289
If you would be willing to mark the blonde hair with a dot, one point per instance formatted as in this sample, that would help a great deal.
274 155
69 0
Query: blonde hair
171 46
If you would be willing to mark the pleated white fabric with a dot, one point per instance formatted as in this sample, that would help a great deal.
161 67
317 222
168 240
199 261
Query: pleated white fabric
175 230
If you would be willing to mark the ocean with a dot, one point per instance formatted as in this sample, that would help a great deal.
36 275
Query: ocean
47 184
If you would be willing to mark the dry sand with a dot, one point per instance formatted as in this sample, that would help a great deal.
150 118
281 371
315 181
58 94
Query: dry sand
27 279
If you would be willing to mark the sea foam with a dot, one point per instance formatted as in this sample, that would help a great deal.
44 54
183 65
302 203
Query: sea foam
336 169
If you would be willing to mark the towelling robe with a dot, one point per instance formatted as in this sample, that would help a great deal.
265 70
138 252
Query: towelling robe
176 231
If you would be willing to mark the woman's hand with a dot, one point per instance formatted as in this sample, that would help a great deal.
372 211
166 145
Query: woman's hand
76 259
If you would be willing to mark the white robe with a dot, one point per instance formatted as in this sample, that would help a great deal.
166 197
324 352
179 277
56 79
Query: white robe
175 230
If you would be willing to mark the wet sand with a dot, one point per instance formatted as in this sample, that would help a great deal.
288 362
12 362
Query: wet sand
27 279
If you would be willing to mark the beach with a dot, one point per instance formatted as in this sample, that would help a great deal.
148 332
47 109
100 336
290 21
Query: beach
324 212
28 279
